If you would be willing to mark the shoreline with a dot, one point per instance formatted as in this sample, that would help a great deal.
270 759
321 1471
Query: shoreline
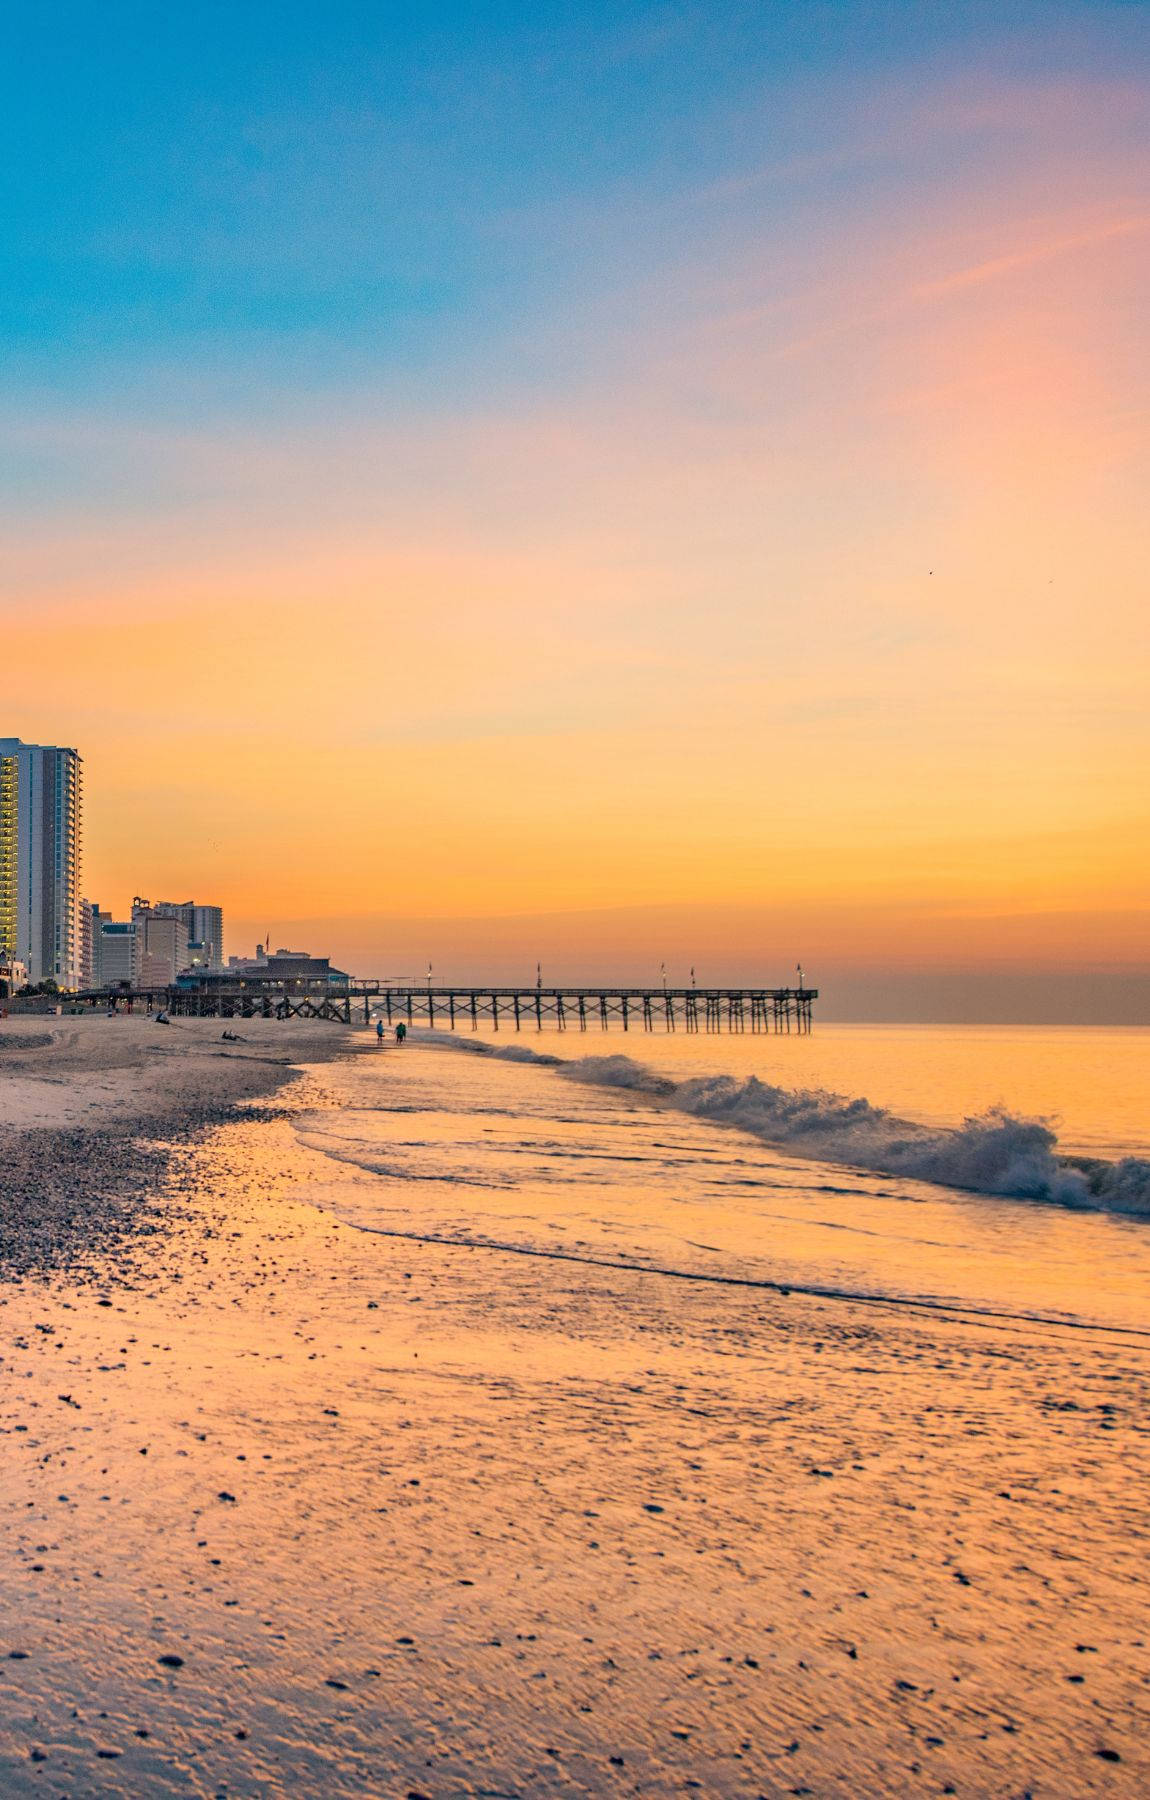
297 1509
998 1153
93 1110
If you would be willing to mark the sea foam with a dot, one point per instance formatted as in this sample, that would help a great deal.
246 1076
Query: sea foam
995 1152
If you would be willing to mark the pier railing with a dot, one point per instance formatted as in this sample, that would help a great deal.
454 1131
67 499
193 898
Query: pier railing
498 1008
597 1008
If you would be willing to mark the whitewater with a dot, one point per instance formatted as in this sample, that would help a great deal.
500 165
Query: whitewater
995 1153
942 1185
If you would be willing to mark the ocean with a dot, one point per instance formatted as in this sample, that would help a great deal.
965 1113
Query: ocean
997 1171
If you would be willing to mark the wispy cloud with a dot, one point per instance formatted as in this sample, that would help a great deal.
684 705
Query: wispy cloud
796 513
1029 256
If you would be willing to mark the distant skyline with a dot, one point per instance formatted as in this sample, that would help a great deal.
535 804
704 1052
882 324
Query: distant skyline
633 477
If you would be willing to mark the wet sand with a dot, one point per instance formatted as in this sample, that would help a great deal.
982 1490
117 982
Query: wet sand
292 1509
90 1109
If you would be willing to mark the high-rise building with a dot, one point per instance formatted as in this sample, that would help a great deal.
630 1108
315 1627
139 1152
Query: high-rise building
41 803
113 950
89 913
151 948
161 943
205 930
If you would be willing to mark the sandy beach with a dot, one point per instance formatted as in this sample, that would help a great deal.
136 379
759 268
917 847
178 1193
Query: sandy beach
89 1108
76 1070
295 1509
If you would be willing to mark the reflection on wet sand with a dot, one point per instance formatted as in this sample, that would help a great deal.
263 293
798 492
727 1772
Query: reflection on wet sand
297 1509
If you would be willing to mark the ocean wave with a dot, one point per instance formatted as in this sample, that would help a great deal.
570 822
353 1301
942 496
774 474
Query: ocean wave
469 1046
994 1153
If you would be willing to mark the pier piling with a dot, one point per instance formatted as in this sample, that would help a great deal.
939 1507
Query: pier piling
775 1010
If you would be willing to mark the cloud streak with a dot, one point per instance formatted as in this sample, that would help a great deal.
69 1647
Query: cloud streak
1031 256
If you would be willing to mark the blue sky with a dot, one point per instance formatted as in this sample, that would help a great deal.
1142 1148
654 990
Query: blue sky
406 190
734 412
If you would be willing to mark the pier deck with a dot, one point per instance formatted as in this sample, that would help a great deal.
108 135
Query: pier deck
501 1008
597 1008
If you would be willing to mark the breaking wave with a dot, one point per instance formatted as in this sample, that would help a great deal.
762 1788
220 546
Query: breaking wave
994 1153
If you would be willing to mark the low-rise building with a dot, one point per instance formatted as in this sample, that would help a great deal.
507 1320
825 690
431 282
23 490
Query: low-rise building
294 970
13 976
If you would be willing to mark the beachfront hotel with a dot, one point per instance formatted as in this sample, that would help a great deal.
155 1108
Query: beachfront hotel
203 930
155 945
41 798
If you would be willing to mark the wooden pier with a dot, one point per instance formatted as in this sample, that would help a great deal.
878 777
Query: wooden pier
593 1008
597 1008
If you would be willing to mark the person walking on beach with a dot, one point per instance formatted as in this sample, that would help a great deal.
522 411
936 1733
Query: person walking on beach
379 1032
400 1032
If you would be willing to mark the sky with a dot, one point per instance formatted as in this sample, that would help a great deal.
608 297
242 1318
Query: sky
607 485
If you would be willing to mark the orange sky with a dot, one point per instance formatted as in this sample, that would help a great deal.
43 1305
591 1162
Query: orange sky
802 589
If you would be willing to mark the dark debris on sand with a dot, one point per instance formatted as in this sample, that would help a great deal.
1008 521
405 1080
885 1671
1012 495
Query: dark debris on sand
71 1197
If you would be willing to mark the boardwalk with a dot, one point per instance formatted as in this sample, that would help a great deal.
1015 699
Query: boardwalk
499 1008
